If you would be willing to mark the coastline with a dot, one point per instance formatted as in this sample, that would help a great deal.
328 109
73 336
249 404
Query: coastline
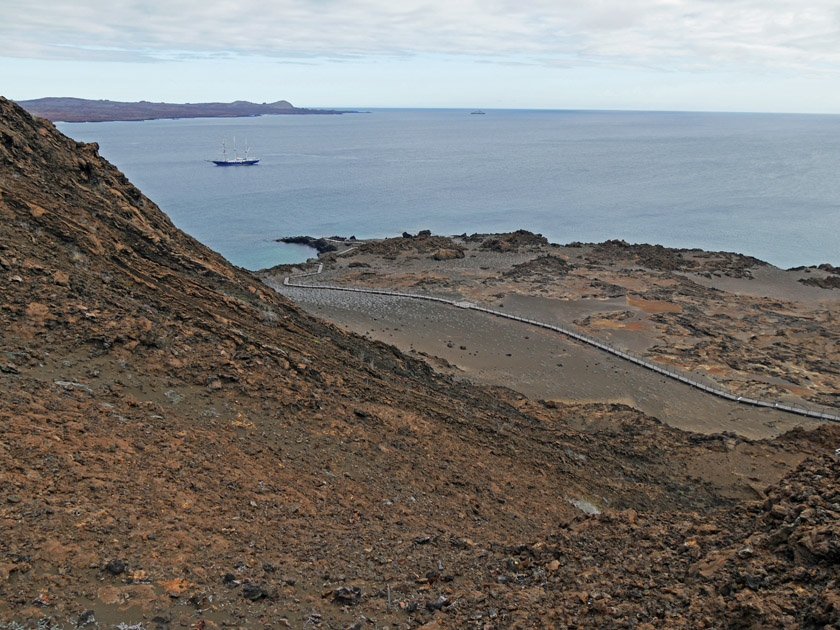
73 110
677 308
183 447
331 175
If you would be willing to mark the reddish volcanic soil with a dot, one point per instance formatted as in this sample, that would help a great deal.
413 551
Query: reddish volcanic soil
183 447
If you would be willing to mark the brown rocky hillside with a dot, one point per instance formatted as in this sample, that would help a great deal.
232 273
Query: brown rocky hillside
181 447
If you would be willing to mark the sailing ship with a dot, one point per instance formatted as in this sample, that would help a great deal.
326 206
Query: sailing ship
236 160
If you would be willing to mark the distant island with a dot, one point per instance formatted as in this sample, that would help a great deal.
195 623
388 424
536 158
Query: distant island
84 110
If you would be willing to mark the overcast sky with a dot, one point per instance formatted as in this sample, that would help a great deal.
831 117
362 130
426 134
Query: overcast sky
725 55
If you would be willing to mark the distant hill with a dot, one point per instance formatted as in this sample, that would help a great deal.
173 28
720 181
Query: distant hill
84 110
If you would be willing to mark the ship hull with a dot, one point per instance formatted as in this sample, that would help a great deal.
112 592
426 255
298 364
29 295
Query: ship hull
235 162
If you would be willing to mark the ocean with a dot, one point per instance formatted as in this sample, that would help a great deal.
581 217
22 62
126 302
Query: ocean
766 185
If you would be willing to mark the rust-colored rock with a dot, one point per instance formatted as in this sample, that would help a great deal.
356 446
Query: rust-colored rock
162 408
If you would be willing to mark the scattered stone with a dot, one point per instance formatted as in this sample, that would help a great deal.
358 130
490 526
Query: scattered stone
115 567
229 579
314 619
176 587
347 595
87 618
253 592
438 604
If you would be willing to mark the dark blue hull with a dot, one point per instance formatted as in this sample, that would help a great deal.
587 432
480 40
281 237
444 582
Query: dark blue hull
239 162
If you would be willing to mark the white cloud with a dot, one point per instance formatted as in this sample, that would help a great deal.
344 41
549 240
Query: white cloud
663 34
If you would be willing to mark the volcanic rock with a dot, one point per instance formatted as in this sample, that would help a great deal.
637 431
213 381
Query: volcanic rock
115 314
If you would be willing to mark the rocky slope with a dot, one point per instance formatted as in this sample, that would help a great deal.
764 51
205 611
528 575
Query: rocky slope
181 447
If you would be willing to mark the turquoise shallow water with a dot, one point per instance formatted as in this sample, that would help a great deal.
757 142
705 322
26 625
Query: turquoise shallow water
760 184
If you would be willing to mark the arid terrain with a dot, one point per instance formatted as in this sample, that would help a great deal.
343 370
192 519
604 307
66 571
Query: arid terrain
724 319
183 447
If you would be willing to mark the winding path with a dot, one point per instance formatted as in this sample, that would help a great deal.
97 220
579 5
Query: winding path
624 354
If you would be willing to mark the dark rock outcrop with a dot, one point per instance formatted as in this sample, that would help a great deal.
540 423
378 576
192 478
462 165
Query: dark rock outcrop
514 241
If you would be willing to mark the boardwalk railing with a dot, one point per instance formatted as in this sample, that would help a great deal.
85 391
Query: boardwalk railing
622 353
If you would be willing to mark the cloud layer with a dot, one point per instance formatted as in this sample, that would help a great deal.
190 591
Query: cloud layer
656 34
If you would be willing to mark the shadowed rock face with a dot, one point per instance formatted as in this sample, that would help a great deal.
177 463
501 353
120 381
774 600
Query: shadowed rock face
178 441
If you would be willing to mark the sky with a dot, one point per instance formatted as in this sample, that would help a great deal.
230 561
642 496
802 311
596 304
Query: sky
696 55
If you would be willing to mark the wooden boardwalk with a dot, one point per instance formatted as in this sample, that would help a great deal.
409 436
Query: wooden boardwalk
680 376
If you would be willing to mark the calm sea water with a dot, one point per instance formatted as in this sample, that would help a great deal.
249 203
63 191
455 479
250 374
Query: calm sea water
764 185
